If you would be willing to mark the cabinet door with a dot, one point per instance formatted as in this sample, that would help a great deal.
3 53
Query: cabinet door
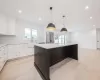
4 53
23 49
3 56
30 51
31 48
3 24
11 26
13 51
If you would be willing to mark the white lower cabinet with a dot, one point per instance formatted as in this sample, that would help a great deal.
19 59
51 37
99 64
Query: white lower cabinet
25 50
3 56
14 51
19 50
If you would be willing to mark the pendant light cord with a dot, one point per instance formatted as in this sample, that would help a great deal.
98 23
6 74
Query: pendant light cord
64 21
64 28
51 14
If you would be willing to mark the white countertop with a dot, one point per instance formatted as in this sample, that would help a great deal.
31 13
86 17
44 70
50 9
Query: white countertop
49 46
2 45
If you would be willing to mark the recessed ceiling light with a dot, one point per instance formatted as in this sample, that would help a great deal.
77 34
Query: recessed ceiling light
40 18
91 17
94 25
20 11
87 7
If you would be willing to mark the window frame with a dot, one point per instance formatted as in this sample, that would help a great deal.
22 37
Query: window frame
31 34
61 39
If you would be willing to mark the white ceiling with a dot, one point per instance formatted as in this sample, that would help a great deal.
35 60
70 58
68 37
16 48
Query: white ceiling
78 17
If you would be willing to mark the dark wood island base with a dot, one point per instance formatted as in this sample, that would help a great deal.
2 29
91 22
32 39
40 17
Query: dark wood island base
45 58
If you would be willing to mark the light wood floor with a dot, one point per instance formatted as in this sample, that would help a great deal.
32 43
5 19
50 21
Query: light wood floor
87 68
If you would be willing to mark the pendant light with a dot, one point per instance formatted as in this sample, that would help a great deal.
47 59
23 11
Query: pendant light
63 29
51 26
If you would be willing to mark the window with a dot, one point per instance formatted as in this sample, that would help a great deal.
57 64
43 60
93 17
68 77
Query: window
31 34
60 39
27 33
34 35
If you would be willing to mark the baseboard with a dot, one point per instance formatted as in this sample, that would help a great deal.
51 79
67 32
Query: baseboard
23 57
3 66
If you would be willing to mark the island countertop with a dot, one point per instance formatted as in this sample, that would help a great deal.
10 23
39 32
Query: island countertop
49 46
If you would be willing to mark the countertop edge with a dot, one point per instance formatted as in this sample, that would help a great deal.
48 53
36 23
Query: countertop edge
39 45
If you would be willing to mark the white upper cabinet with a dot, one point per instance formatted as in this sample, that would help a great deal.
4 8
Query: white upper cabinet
3 24
11 26
7 25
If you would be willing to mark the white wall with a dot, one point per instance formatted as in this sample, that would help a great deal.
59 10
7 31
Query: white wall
85 39
20 25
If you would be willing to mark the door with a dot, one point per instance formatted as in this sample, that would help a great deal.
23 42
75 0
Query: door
98 38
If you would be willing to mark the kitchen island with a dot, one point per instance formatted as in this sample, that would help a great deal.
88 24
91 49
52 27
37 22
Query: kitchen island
47 55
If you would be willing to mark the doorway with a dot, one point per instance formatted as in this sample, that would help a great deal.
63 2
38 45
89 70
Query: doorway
98 38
